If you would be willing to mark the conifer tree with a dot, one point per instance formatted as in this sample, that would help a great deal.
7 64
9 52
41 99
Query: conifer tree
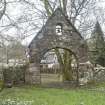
97 46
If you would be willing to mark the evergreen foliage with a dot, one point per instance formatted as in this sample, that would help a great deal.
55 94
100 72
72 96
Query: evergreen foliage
97 46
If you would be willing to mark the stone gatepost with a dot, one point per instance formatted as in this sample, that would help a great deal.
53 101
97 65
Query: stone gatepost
32 75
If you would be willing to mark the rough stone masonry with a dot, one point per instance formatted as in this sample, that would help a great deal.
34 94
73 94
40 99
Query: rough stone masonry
47 38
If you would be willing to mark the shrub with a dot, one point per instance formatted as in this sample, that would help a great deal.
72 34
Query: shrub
14 75
8 75
1 84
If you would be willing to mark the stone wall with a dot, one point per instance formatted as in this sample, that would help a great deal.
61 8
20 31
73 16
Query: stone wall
99 74
32 74
89 74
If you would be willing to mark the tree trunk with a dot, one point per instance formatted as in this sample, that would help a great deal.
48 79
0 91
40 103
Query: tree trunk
65 64
60 59
64 7
67 72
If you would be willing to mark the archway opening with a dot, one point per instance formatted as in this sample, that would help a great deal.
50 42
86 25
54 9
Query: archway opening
59 65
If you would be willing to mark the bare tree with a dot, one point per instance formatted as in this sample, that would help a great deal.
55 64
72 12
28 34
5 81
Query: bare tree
78 12
2 8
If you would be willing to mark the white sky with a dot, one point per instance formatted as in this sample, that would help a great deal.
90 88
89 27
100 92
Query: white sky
16 10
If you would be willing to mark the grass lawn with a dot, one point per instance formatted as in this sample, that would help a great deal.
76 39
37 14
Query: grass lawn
45 96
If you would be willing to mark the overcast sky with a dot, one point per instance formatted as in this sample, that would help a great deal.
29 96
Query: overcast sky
15 10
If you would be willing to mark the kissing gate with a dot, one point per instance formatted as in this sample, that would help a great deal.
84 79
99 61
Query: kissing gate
58 32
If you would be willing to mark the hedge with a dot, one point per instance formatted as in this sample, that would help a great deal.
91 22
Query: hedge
14 75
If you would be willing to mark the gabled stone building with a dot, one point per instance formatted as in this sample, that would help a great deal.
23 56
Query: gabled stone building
58 32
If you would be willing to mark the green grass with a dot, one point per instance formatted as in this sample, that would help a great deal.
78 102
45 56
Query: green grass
45 96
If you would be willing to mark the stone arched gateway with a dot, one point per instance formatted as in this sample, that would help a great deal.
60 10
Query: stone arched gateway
58 32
